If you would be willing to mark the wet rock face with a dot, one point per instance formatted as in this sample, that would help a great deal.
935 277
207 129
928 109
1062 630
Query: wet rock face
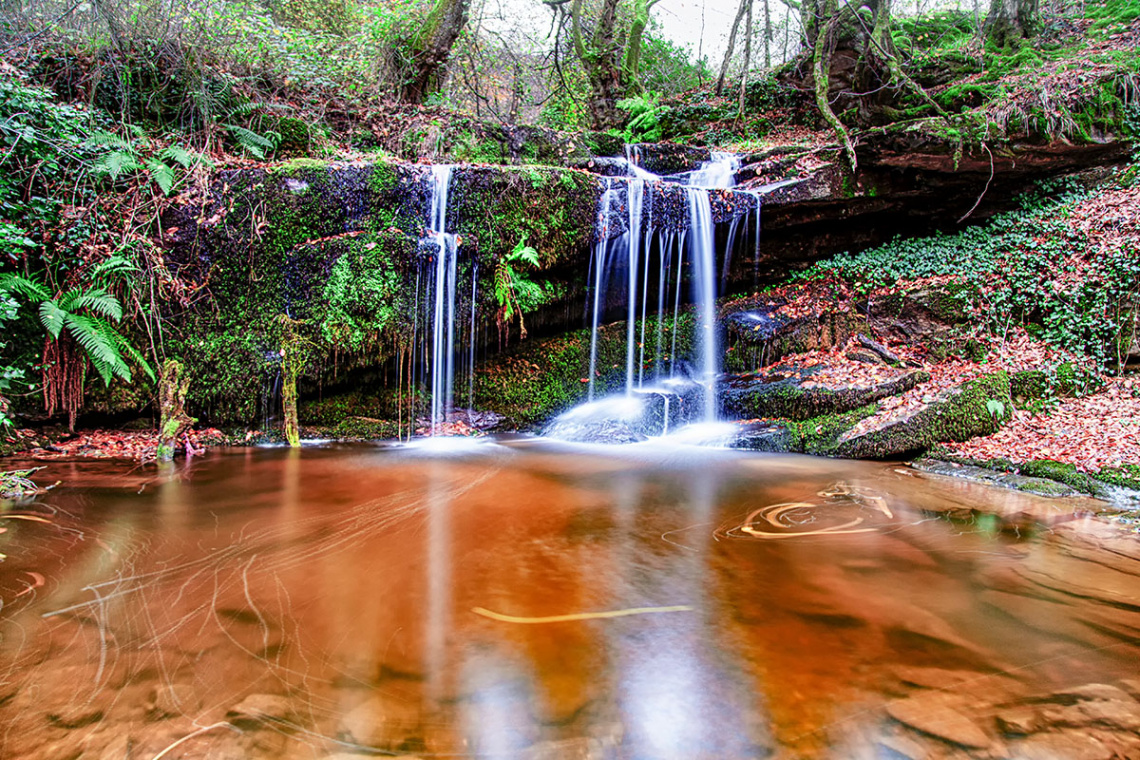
643 414
762 333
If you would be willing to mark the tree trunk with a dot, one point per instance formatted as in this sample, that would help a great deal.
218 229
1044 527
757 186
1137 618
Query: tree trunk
1011 21
744 4
173 420
747 60
431 48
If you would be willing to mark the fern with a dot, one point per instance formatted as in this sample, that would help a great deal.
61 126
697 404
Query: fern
253 143
53 318
94 335
116 162
97 300
162 174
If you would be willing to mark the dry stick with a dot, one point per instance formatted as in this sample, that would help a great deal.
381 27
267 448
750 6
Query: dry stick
577 615
984 189
191 735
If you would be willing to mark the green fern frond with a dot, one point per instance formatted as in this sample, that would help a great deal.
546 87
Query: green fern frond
93 335
184 157
115 163
253 143
162 174
98 301
114 267
53 318
22 286
132 353
103 139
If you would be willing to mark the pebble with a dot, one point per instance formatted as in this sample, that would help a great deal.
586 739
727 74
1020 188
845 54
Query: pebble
1070 745
933 714
1019 720
260 708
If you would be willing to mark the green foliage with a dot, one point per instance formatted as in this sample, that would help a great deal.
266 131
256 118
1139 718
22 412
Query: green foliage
513 288
251 142
360 298
46 151
118 156
669 68
1022 268
645 114
88 316
10 376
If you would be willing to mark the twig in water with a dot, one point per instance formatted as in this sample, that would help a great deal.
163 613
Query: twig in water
192 734
578 615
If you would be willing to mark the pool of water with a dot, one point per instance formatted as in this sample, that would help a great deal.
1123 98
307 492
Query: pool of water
540 600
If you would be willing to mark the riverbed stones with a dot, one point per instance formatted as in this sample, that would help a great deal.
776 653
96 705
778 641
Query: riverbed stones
258 709
382 723
1019 720
939 715
1062 745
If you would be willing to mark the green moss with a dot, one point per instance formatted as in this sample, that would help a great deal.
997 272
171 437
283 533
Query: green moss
821 435
298 165
962 414
359 428
1125 476
1060 472
539 380
552 208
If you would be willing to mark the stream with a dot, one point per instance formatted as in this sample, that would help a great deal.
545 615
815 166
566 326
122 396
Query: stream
542 600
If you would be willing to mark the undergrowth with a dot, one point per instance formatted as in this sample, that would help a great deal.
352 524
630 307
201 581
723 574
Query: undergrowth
1029 267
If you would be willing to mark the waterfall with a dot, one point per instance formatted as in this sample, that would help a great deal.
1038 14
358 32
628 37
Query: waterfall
636 194
719 172
443 316
635 250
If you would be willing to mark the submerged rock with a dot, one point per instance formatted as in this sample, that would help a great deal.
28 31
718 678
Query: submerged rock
938 714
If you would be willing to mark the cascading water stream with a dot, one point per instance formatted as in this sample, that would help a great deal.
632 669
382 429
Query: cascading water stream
443 319
719 172
631 253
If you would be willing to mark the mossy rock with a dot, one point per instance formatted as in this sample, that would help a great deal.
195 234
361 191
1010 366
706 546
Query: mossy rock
365 429
1059 472
754 397
296 136
959 414
760 336
1040 486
